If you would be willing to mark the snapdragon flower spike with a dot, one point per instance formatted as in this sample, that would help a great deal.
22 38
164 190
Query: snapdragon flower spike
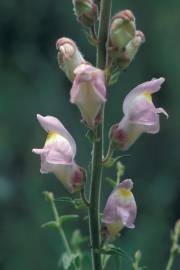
89 93
140 115
120 210
58 153
69 56
85 11
122 29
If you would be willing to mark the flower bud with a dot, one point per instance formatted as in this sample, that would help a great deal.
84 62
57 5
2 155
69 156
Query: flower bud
140 115
85 11
58 153
131 49
89 93
120 210
122 29
69 56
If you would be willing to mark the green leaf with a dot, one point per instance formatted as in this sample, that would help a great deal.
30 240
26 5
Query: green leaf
105 259
65 218
90 39
111 162
49 224
113 250
114 77
111 181
77 259
65 261
64 199
77 239
90 136
79 204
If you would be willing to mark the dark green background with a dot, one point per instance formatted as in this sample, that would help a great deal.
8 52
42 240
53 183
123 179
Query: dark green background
31 83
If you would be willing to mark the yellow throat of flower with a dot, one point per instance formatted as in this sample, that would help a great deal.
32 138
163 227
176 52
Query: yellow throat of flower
125 193
52 136
148 96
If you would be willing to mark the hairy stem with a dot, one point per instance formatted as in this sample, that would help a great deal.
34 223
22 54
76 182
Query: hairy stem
59 227
175 248
97 153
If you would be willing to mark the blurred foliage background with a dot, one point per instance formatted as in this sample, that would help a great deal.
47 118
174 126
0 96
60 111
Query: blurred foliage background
31 83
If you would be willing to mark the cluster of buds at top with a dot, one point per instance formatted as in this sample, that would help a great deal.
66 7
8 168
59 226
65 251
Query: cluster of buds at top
85 11
125 40
58 153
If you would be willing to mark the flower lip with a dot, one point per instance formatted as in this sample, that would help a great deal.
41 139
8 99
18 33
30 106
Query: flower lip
64 40
88 92
127 184
86 72
124 15
52 124
149 86
66 48
139 38
121 207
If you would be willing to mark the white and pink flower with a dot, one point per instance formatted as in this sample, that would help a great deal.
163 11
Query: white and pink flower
58 154
120 210
140 115
89 93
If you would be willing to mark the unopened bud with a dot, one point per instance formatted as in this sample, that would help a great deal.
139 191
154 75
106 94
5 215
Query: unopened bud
133 46
85 11
122 29
131 50
138 256
69 56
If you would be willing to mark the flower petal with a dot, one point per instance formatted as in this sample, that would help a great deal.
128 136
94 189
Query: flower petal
127 184
149 86
120 209
88 92
52 124
161 110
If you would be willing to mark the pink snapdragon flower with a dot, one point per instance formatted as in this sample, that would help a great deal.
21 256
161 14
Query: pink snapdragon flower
69 56
58 153
140 115
120 210
89 93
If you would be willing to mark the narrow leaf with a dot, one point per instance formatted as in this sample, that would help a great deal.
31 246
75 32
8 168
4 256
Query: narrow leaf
90 136
115 251
65 218
64 199
49 224
66 261
111 181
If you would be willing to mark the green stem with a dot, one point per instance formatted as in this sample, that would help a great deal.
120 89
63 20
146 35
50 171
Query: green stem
60 228
109 155
105 13
175 248
83 197
170 262
97 153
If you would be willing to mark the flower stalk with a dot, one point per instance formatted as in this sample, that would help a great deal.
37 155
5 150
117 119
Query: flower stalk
50 198
175 248
97 153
